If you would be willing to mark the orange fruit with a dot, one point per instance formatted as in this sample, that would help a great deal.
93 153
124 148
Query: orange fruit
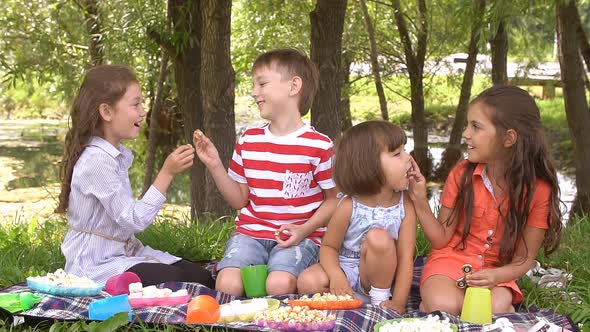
202 309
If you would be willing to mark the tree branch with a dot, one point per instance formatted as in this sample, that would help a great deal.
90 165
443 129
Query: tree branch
422 32
164 43
404 35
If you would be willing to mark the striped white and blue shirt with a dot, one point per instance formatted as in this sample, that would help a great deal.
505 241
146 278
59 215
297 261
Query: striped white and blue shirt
103 215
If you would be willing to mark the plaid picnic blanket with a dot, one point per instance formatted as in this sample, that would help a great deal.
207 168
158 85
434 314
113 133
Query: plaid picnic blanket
358 320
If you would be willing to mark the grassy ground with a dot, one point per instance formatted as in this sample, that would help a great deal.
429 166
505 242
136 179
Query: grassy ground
32 248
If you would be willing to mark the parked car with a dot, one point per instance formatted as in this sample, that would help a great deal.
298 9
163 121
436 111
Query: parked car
456 62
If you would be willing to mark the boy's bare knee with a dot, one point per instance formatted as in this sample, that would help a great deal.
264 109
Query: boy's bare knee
377 239
230 282
279 283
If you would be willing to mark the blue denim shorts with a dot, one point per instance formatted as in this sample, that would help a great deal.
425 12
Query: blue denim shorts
350 266
242 250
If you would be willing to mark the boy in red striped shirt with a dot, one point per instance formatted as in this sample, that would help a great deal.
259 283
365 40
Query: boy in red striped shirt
280 177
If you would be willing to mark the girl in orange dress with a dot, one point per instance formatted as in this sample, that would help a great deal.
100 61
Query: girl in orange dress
498 207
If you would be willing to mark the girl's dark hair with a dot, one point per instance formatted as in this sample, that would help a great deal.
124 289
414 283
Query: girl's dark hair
105 84
510 107
357 164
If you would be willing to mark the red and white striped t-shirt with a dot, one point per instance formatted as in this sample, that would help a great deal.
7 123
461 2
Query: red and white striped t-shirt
285 176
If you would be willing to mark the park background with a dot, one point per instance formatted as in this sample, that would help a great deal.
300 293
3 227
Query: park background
415 63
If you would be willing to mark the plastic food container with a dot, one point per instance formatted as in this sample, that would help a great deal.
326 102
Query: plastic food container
245 315
297 326
64 290
141 302
328 305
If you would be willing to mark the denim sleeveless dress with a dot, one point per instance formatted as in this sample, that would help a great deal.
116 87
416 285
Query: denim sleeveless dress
363 219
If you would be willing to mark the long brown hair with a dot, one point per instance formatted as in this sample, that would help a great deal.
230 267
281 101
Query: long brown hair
105 84
510 107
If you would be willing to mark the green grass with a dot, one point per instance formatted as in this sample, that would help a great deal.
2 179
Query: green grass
572 256
32 248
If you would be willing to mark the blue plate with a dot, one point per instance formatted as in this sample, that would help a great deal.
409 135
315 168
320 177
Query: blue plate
64 290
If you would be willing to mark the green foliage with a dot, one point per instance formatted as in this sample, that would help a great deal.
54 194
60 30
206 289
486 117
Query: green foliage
32 247
109 325
29 249
572 256
32 100
47 41
259 26
198 241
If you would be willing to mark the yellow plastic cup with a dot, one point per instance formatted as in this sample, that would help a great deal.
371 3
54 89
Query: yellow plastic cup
477 306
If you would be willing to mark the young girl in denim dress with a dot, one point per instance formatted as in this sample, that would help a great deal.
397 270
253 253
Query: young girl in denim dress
370 239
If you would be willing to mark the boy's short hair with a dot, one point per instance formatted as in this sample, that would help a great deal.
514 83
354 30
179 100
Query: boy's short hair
292 62
357 163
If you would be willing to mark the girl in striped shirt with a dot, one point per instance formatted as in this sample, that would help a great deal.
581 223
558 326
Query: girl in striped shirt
103 215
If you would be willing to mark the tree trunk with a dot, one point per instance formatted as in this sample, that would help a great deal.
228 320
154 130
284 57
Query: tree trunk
375 61
327 24
453 153
576 105
415 64
150 158
584 44
94 29
217 83
346 121
499 46
186 21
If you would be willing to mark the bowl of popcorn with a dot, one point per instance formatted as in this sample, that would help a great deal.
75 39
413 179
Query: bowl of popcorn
428 324
327 301
292 319
244 310
140 296
64 284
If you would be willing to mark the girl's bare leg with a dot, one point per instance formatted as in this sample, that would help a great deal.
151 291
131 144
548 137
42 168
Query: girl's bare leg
313 280
440 292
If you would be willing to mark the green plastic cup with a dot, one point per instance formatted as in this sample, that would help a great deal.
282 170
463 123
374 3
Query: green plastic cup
477 306
254 280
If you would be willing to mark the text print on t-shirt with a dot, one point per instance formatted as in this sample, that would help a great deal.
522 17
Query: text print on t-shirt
296 184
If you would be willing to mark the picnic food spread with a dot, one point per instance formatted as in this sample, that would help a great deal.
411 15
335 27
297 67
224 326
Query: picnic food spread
65 284
140 296
327 301
244 311
295 319
61 278
428 324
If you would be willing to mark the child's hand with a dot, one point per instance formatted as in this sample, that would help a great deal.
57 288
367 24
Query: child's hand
289 235
179 160
392 305
341 286
417 187
206 151
483 278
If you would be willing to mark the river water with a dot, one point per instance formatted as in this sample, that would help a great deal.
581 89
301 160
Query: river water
30 151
